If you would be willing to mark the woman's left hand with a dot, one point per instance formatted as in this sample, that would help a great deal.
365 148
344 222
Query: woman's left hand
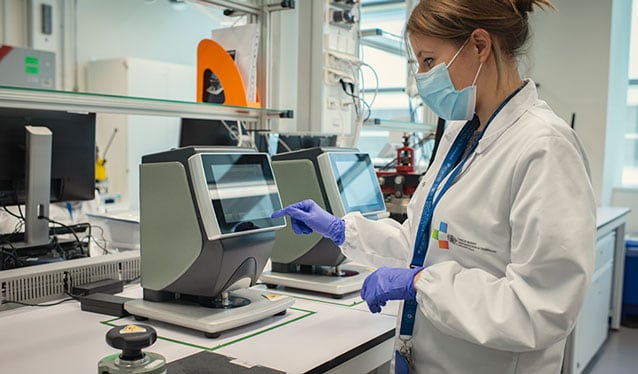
389 284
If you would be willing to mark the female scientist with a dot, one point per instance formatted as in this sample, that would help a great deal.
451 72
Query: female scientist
495 258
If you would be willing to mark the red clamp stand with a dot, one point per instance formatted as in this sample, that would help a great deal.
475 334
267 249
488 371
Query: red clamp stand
405 157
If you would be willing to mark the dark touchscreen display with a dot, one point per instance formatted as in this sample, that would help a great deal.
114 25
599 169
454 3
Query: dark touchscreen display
242 190
357 182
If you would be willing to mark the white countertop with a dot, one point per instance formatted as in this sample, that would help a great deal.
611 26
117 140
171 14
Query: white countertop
607 214
313 332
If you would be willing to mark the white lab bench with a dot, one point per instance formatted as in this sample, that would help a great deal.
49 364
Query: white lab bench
603 303
316 335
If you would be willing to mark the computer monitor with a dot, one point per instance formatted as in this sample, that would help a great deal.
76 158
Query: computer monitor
72 159
293 142
205 132
45 156
340 180
206 231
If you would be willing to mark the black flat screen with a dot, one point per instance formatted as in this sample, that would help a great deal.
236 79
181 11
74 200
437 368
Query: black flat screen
243 191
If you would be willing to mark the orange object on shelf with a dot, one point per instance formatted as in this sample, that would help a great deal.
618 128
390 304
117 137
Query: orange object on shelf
218 79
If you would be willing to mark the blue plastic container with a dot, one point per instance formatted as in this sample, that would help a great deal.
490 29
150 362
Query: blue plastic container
630 284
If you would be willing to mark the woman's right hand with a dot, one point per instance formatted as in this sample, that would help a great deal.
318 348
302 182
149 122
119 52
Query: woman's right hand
307 217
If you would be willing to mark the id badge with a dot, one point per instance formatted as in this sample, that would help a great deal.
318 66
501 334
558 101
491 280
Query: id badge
401 363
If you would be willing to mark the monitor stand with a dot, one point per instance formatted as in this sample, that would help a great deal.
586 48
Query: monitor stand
36 243
39 142
212 321
339 281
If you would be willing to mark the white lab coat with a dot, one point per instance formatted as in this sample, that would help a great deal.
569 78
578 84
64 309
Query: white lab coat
521 234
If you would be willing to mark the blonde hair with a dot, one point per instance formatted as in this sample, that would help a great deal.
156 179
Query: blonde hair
505 20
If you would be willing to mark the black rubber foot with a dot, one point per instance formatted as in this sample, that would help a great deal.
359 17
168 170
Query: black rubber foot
140 318
338 297
271 286
212 335
282 313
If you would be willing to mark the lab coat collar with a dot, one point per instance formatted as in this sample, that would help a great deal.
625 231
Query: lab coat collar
511 112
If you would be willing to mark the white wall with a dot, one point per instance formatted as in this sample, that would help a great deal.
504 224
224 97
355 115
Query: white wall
88 30
137 28
619 113
20 26
569 60
137 135
633 66
578 57
627 198
14 22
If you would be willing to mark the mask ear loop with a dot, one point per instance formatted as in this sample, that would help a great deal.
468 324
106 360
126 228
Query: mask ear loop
457 53
477 74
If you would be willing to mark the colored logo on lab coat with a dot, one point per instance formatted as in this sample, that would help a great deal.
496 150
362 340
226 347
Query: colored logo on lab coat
441 236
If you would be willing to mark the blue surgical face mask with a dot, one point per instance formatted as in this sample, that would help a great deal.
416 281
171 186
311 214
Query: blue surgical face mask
438 93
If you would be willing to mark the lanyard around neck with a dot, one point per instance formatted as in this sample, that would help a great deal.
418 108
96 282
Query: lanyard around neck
451 162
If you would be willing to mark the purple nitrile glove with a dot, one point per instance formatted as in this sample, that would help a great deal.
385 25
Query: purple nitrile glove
388 284
307 217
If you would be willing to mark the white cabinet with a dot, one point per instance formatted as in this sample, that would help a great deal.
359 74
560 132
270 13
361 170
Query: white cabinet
602 306
137 135
593 322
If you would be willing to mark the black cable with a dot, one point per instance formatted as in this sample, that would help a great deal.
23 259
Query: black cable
20 211
88 236
103 247
3 250
40 305
357 97
389 164
54 245
13 214
74 297
10 244
67 227
367 117
354 97
6 256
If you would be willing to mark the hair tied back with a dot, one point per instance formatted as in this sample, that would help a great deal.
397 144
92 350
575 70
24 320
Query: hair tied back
521 6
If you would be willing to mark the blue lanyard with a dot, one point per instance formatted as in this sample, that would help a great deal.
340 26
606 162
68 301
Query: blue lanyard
453 155
422 243
421 246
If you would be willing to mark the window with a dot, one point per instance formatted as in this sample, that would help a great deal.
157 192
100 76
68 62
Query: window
630 168
390 102
382 26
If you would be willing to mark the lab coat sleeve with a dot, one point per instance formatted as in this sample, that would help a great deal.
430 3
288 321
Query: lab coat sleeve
376 243
553 229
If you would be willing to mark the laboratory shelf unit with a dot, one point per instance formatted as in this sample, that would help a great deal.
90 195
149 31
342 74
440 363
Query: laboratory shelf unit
16 97
394 125
252 7
384 41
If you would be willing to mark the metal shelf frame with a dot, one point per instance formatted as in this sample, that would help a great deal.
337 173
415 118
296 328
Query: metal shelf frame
15 97
258 10
393 125
383 41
